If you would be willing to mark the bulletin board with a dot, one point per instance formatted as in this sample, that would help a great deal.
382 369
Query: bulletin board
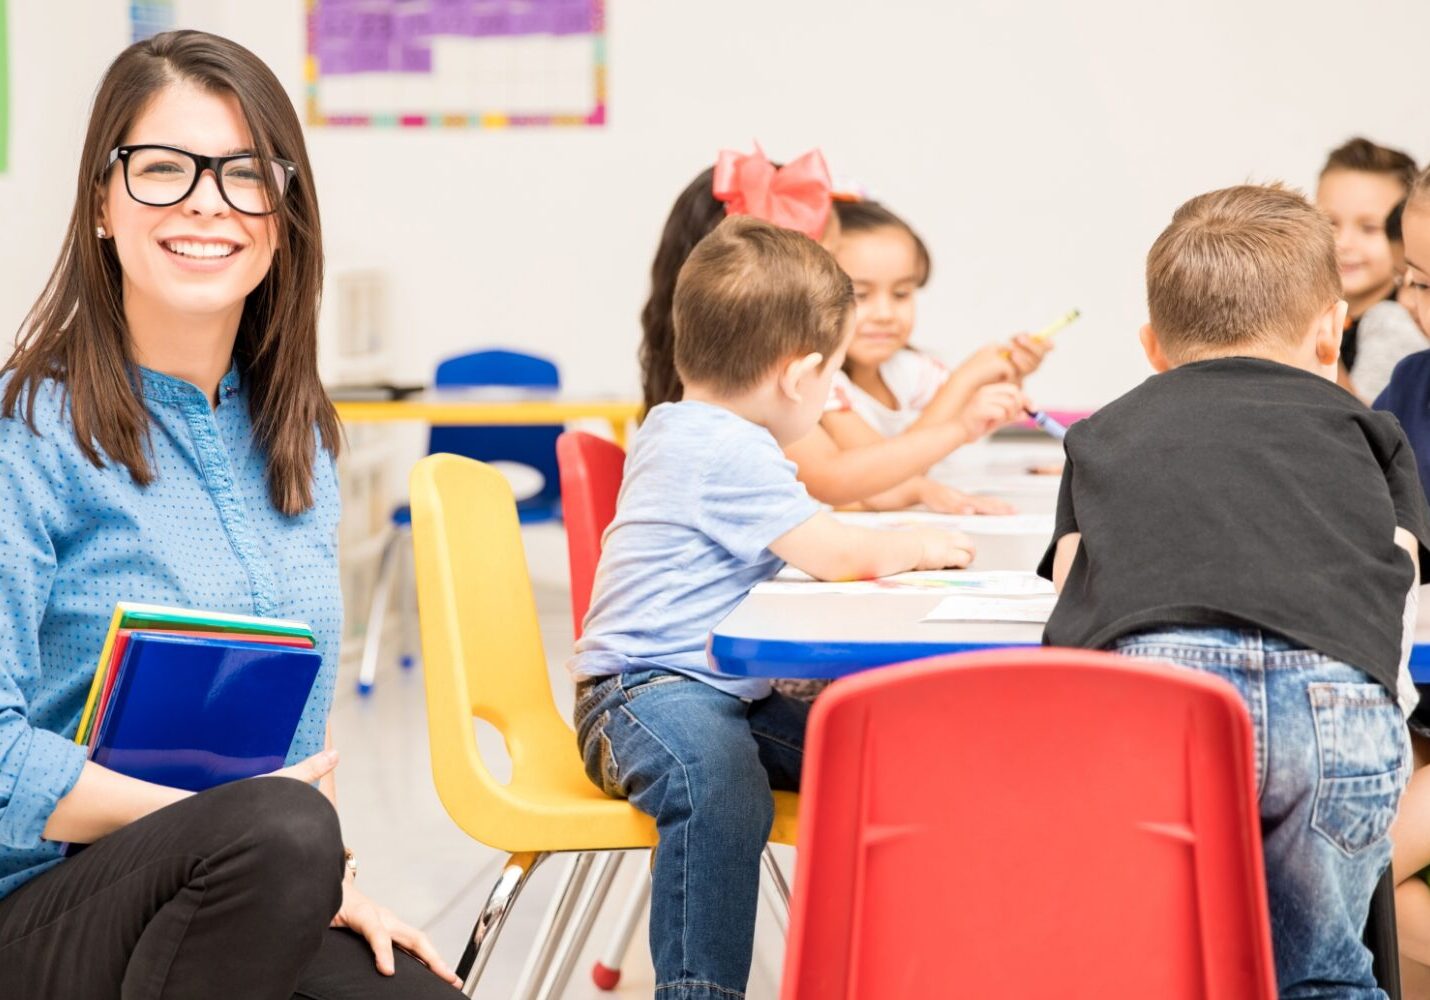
148 18
456 63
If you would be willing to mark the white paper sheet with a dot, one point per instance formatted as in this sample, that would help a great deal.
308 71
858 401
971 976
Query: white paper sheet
1031 610
990 583
972 524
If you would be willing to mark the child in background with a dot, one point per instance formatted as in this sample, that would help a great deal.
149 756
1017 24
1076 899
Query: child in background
802 200
1240 514
887 387
1406 397
709 508
1360 184
1388 332
1407 393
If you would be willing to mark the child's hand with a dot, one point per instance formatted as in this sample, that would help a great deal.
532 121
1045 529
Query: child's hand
989 364
992 407
1026 353
946 500
944 549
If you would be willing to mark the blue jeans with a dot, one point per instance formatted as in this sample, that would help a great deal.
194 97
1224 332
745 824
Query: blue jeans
702 763
1332 756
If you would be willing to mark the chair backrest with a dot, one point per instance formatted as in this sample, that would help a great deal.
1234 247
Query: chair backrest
591 471
1029 823
533 446
481 647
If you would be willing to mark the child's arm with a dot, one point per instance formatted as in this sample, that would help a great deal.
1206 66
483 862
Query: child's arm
1063 558
840 476
845 461
827 549
1004 362
936 497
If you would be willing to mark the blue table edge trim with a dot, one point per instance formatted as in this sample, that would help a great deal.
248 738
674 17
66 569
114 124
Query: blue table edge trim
737 656
741 657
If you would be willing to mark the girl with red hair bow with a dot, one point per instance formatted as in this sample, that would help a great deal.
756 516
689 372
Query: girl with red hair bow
799 195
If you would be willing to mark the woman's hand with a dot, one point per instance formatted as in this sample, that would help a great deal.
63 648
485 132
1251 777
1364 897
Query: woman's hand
947 500
382 930
309 770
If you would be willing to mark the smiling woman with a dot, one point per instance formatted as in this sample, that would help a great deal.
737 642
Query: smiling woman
121 266
164 438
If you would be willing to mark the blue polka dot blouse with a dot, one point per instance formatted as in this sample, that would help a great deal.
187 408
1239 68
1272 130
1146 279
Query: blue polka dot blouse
75 540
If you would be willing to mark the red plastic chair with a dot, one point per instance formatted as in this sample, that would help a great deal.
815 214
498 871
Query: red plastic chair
591 471
1029 823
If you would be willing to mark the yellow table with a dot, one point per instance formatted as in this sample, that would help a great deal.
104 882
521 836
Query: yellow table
491 409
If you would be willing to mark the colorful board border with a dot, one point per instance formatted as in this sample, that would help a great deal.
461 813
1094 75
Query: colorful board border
148 18
479 119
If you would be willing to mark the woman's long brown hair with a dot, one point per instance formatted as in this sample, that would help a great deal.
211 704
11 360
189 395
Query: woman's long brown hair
76 332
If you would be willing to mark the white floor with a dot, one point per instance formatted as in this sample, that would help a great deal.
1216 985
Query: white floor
414 859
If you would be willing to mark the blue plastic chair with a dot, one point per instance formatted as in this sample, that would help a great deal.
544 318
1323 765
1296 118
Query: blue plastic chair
533 446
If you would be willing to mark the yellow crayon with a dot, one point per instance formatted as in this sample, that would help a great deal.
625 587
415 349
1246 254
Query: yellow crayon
1046 332
1070 316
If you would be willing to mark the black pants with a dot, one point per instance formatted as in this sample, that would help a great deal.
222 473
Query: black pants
228 893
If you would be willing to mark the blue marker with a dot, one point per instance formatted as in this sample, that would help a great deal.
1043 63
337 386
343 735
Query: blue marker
1047 423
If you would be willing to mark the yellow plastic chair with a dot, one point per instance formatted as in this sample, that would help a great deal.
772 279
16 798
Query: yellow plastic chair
482 658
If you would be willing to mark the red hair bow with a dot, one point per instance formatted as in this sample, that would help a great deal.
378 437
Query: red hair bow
796 196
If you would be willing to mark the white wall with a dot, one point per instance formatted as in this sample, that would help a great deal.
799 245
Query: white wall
1039 147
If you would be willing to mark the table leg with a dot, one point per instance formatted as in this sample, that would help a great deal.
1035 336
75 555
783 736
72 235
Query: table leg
618 431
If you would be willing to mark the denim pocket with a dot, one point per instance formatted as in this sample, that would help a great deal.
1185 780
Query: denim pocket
600 759
1360 734
651 680
589 695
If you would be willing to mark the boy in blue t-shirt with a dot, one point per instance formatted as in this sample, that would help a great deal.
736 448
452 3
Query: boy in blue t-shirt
709 508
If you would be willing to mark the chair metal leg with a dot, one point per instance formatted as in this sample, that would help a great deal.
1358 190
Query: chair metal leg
553 926
387 564
605 873
776 889
607 971
406 581
513 878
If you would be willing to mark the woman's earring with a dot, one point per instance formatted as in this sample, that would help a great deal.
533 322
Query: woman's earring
99 231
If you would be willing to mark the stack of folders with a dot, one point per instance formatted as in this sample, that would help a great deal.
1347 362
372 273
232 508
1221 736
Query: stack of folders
194 699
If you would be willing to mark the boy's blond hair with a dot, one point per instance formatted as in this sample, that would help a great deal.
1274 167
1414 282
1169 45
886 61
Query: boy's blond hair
1245 265
752 295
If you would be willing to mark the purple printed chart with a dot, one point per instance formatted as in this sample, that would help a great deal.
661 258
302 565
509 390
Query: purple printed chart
456 63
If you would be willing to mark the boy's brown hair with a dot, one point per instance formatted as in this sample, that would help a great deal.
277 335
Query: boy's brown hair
1244 265
752 295
1369 158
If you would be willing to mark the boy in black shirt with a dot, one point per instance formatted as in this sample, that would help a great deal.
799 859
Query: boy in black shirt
1241 514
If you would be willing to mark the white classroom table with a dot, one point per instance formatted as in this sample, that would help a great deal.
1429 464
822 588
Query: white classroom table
831 634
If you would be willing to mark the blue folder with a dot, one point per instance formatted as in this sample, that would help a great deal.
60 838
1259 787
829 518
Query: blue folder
194 713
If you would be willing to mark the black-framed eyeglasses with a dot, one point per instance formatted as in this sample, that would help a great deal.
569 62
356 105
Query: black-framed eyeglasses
165 175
